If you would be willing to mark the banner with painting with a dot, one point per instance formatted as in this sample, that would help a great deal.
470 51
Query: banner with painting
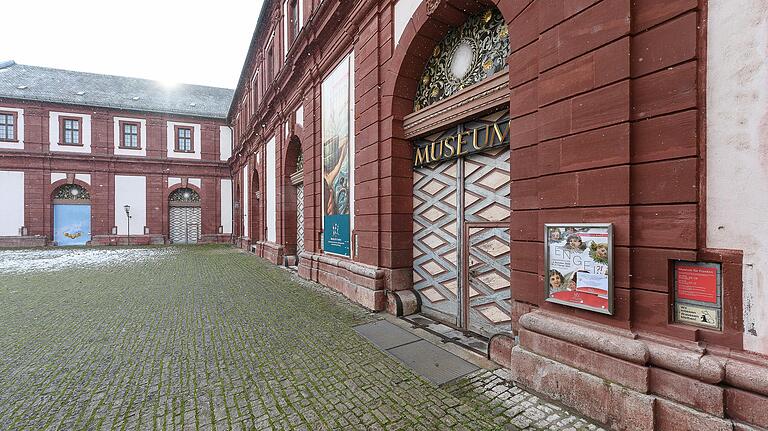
337 184
579 265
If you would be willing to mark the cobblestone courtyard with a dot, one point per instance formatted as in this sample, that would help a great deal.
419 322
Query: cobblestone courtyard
211 338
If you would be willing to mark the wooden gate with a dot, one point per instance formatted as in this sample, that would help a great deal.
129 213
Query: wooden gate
299 219
184 224
461 241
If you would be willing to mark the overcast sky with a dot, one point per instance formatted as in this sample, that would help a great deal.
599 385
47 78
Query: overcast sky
187 41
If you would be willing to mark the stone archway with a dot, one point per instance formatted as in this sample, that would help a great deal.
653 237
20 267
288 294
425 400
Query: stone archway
431 24
293 202
184 216
71 214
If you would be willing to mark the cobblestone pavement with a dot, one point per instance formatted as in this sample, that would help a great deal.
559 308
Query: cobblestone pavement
209 337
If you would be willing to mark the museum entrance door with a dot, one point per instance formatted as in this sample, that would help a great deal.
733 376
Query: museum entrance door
461 211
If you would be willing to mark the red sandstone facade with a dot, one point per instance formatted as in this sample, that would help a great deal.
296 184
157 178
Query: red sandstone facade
38 163
617 85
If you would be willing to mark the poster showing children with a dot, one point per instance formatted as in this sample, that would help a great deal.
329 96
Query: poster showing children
579 263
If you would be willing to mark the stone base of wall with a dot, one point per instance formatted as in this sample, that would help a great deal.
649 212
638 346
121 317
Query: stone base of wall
216 239
243 242
637 381
269 250
363 284
125 240
23 241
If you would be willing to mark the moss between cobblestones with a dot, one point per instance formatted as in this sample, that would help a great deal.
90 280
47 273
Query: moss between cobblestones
200 338
208 337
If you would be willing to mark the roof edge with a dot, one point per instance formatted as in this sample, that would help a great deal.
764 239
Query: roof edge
118 108
248 58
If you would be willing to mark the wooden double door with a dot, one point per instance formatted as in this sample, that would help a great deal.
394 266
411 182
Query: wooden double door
461 242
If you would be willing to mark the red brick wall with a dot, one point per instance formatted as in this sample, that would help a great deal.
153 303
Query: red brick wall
38 164
606 104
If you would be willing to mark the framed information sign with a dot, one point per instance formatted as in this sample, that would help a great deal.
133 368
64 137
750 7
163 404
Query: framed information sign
698 294
578 261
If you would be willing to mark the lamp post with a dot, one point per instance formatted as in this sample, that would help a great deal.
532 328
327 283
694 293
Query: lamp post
128 214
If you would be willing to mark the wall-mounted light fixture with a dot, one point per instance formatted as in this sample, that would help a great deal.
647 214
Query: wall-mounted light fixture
24 231
146 230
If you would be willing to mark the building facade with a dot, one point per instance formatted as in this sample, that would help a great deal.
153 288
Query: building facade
80 153
581 182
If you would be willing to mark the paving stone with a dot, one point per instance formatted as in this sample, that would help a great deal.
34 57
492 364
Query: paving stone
210 338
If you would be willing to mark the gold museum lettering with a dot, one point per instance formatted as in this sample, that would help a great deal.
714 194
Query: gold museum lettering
453 145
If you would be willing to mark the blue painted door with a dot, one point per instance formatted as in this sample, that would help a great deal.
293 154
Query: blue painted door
71 224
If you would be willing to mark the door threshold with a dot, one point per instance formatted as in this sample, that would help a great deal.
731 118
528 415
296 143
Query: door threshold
449 334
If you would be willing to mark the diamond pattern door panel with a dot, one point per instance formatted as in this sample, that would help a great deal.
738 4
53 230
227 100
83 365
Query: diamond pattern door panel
184 226
435 265
299 218
178 224
193 224
486 186
488 294
464 205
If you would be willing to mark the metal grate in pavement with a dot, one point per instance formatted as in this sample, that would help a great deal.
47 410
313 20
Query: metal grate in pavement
385 335
431 362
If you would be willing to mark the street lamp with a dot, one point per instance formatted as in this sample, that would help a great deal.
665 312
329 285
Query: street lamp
128 214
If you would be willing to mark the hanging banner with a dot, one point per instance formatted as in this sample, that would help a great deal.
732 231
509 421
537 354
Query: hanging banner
336 125
578 258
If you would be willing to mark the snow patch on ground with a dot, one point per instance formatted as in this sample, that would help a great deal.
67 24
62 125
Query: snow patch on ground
29 261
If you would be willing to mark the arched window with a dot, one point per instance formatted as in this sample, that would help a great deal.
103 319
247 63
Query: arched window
467 55
184 195
71 192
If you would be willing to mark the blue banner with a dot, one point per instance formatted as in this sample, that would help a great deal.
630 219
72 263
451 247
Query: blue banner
336 234
71 224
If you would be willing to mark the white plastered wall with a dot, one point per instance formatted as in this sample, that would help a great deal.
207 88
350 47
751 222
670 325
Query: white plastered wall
226 205
130 190
12 210
225 142
404 10
285 29
737 149
300 116
171 141
271 193
85 133
142 137
56 176
245 208
19 144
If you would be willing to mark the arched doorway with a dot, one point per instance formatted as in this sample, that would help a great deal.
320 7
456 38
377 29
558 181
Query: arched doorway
184 215
461 180
294 201
71 215
297 180
255 229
